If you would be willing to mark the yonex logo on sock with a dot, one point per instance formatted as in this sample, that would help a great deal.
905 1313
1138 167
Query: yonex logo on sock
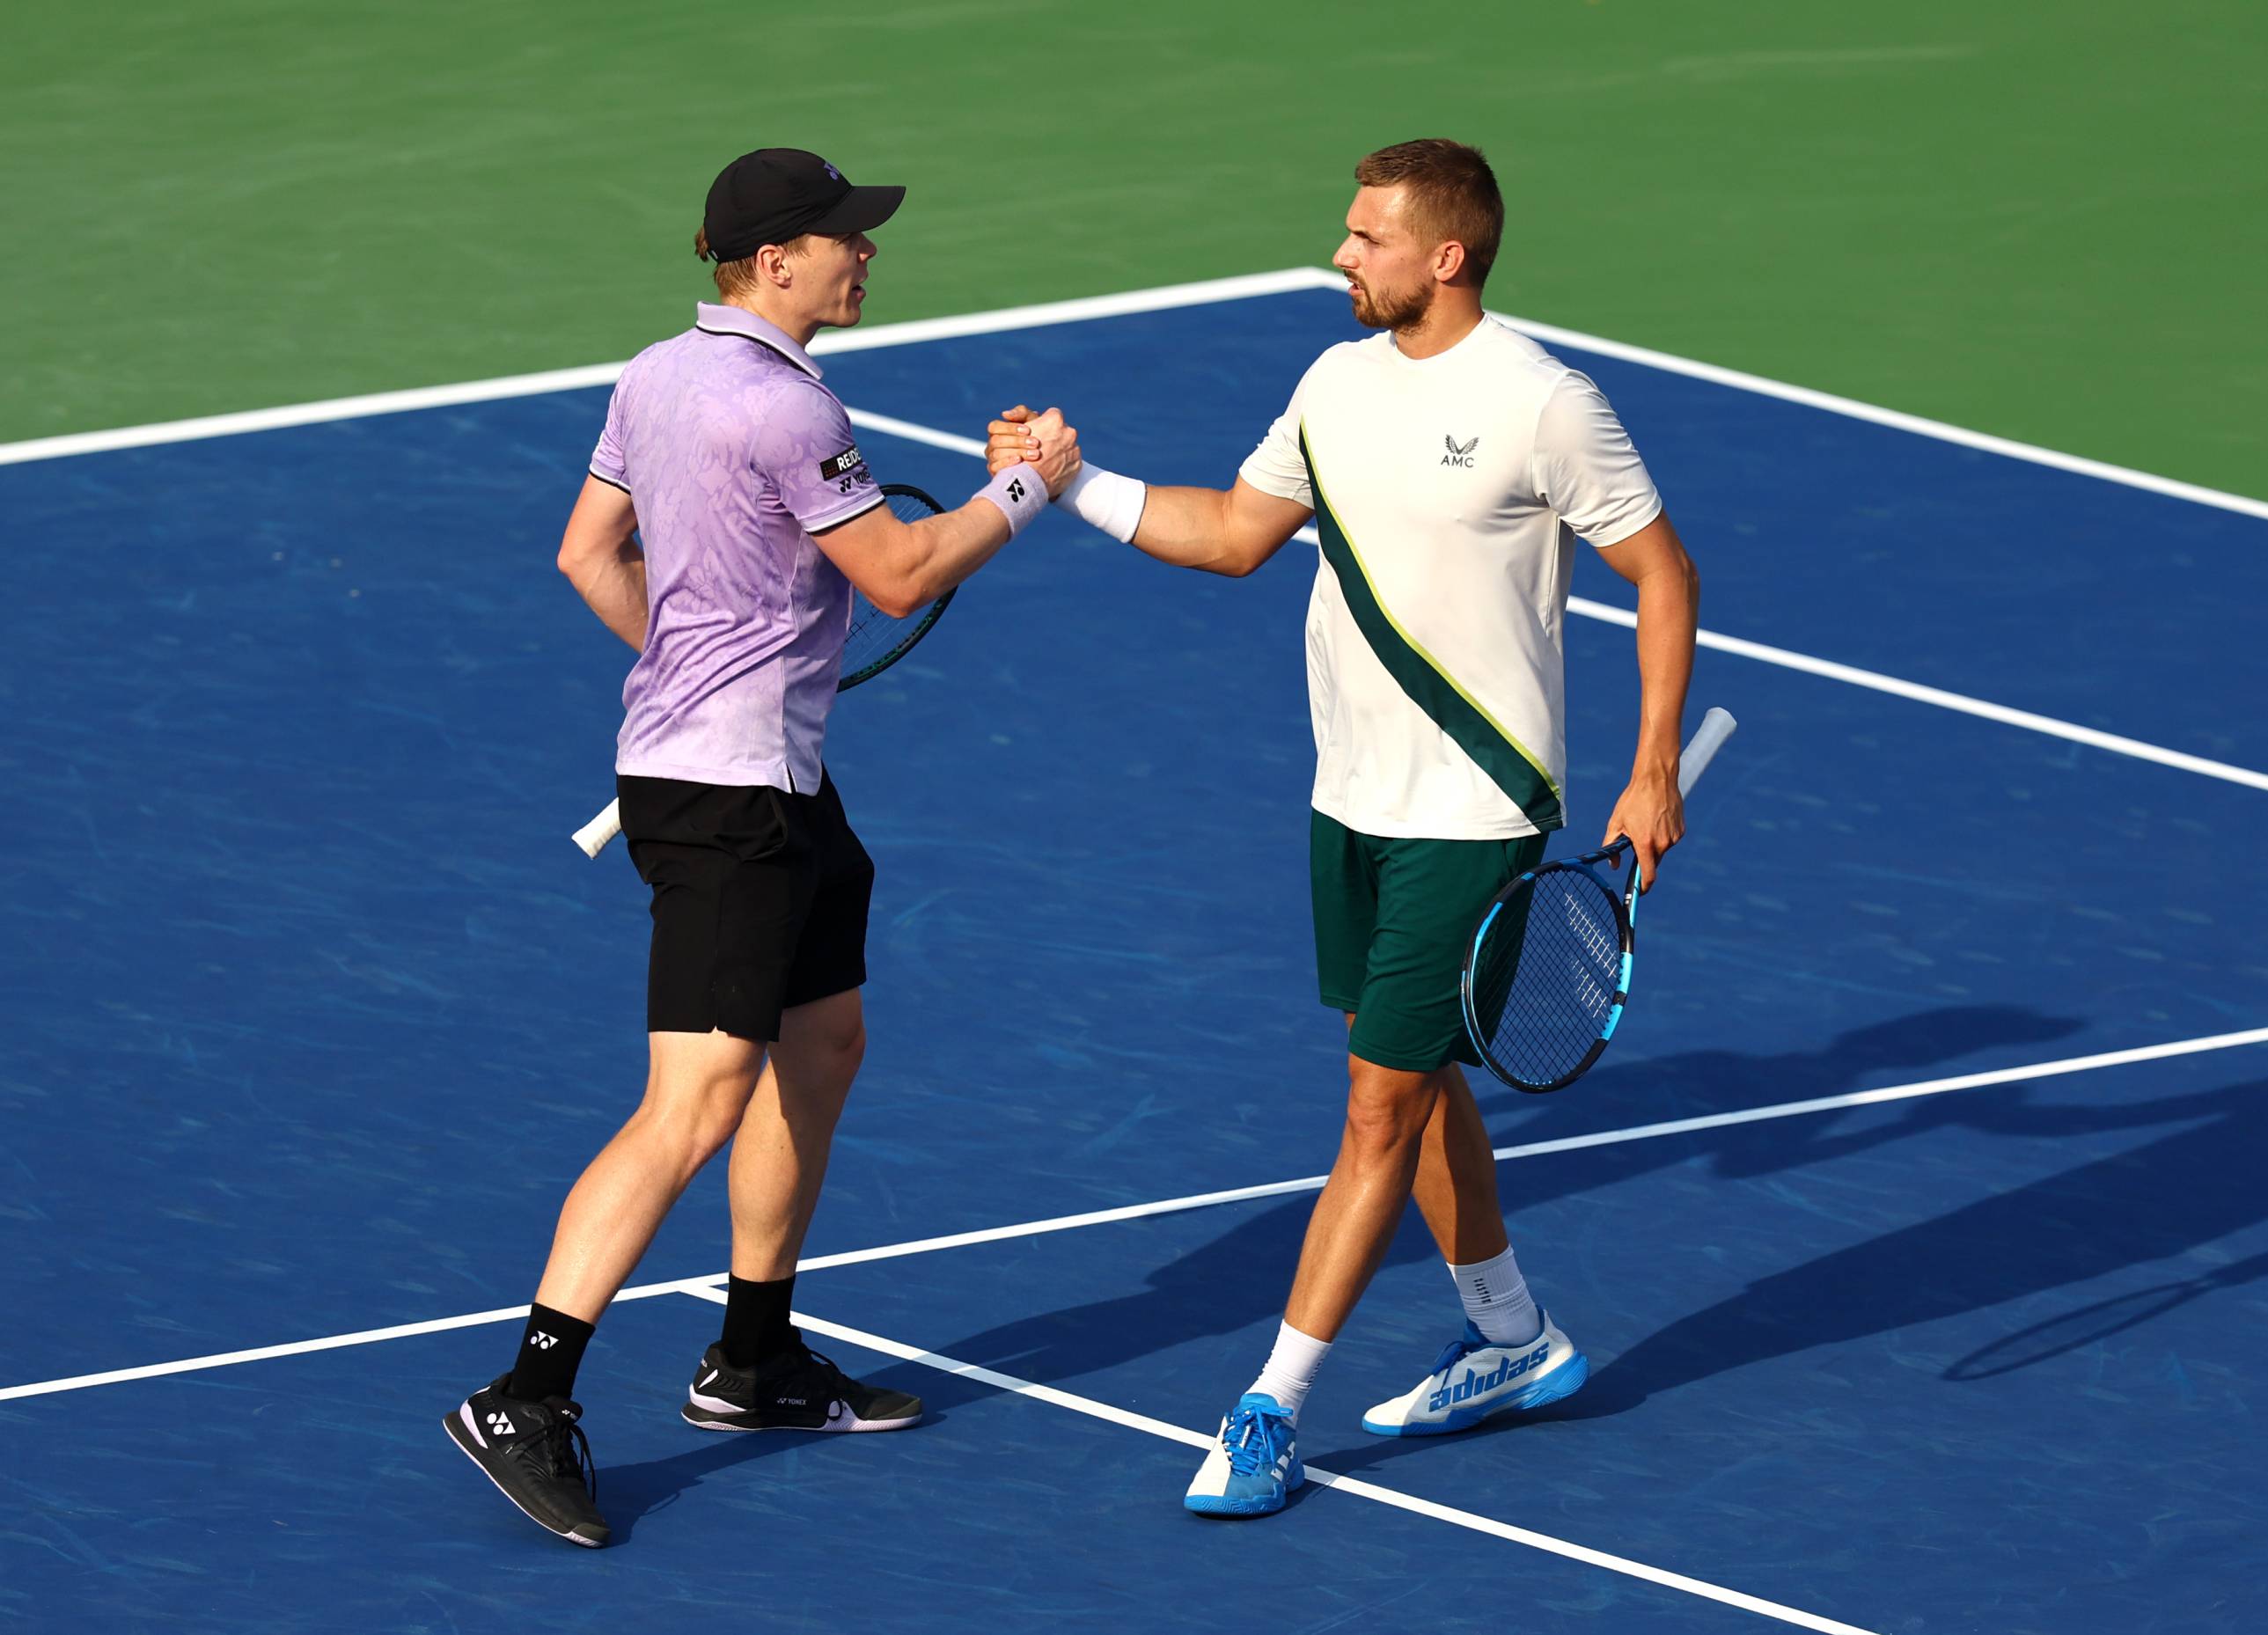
541 1341
501 1424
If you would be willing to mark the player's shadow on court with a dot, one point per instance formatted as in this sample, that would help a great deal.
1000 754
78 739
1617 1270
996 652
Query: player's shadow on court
2187 1187
630 1493
1242 1275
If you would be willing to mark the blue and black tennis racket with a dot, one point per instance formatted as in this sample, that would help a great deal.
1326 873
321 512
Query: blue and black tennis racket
1547 971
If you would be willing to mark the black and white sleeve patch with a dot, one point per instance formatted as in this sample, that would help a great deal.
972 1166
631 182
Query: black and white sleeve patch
841 465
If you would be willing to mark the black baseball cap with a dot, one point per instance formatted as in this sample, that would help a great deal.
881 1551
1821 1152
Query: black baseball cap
774 193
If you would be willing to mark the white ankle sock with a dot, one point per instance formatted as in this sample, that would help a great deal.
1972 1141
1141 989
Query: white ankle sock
1291 1368
1498 1302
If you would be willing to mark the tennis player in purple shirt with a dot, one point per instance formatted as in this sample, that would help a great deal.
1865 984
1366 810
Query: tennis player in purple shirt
736 467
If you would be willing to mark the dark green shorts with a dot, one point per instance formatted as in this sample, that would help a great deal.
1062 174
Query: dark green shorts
1392 917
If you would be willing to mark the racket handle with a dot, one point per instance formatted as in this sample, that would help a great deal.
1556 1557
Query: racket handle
595 835
1715 728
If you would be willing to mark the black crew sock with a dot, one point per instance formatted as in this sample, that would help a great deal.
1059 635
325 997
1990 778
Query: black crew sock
756 1326
550 1353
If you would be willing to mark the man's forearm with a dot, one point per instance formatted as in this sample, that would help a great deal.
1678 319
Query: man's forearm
951 547
1669 613
1189 527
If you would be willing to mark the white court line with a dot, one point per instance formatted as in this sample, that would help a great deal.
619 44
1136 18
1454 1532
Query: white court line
1358 1489
1875 681
1198 1200
1241 287
1570 1144
300 1348
891 426
1007 317
1246 287
1851 408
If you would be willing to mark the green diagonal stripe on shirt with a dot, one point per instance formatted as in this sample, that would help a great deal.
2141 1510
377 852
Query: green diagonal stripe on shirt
1430 688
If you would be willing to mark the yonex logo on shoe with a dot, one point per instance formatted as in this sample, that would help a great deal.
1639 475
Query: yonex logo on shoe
501 1424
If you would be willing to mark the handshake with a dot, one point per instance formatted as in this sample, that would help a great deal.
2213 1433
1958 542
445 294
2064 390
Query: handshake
1103 499
1020 436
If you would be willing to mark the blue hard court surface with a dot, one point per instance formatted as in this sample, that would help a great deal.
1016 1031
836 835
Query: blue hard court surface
312 1013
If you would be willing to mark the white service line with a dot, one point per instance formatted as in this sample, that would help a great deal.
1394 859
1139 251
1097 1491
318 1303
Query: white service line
1875 681
1195 1200
1607 613
1358 1489
1762 386
891 426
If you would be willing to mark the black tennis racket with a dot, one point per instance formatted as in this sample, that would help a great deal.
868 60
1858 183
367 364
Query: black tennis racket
1548 970
874 641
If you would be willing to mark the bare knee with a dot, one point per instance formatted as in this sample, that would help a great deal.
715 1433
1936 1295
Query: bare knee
825 1040
688 1115
1386 1111
844 1049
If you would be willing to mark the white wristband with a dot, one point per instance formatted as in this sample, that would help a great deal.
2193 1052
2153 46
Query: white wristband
1018 493
1108 501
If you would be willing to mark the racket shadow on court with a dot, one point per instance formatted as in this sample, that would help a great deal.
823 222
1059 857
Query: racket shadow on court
2100 1320
1239 1277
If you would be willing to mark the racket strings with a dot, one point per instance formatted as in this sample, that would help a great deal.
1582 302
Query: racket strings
1546 979
875 636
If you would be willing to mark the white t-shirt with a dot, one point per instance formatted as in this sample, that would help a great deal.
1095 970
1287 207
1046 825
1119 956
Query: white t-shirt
1449 491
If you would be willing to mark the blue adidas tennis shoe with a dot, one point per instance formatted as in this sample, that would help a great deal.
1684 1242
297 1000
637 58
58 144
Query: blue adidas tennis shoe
1474 1377
1253 1464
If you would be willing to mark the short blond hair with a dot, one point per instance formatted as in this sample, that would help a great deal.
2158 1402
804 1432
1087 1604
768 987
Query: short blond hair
1452 195
736 278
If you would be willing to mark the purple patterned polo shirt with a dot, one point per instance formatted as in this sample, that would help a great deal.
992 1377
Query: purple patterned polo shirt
735 455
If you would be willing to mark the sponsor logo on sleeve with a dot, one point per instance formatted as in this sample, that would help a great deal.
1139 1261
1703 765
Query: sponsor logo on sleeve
842 465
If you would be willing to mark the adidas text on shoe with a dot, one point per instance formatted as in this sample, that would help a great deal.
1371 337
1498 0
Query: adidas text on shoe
1474 1378
538 1457
798 1390
1253 1464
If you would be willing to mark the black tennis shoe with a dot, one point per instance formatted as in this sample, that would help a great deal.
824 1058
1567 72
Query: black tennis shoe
538 1457
797 1390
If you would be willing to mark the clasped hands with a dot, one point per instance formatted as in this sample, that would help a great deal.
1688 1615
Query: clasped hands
1020 436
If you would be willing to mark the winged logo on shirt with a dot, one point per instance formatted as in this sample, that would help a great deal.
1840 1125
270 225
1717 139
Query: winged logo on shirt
1460 454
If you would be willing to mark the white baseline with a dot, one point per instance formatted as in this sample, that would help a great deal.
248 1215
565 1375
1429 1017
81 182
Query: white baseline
1241 287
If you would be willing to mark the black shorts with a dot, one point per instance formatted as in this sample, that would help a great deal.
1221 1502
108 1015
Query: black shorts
759 901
